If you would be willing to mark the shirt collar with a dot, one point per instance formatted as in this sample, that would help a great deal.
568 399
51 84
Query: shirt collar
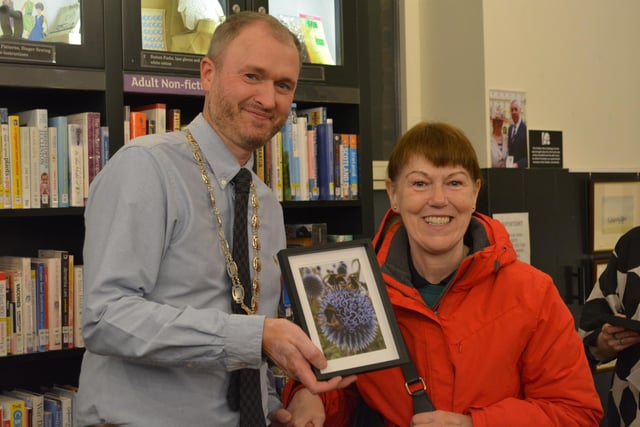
222 162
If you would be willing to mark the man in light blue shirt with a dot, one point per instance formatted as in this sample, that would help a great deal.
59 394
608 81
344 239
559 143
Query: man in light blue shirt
158 326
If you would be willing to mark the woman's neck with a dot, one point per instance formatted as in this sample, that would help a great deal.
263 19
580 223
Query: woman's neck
434 268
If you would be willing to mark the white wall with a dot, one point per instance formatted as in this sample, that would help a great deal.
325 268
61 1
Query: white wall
577 60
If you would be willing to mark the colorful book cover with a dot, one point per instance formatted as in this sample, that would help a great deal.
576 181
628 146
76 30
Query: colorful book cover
344 166
62 130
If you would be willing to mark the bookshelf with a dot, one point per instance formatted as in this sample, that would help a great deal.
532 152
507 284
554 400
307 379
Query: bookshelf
99 85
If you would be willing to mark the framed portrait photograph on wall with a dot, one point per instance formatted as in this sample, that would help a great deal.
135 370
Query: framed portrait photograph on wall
614 209
339 299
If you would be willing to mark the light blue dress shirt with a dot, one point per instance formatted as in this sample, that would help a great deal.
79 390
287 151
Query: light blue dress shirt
160 339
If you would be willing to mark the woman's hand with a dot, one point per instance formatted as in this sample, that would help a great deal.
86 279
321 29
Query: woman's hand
613 339
304 410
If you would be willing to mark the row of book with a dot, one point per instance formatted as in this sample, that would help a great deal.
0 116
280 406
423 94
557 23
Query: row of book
49 162
49 407
307 160
42 298
148 119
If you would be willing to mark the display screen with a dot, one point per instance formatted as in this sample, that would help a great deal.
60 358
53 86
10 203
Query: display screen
186 26
53 21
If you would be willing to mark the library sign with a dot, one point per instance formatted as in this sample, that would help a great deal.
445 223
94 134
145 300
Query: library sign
27 52
145 83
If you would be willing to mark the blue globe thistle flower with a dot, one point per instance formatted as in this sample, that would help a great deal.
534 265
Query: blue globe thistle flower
348 320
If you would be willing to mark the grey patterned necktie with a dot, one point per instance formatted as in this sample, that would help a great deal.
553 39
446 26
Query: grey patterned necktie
244 393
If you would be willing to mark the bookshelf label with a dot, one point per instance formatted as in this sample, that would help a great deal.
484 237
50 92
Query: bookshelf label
162 84
27 52
169 60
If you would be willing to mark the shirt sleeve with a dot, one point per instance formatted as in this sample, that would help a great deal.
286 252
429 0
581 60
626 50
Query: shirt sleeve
128 238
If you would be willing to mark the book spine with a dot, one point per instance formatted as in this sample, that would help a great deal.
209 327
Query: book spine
61 125
66 316
324 135
38 275
104 146
16 176
5 186
337 170
53 167
174 120
3 313
312 164
34 158
277 166
27 301
138 124
303 164
78 306
93 132
25 166
76 166
344 166
17 299
353 166
43 168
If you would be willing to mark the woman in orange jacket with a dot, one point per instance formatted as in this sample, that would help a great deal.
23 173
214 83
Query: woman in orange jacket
489 334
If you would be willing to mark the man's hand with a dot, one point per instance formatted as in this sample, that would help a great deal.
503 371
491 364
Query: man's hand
291 349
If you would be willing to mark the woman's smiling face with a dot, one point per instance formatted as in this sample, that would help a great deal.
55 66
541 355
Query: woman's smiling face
435 203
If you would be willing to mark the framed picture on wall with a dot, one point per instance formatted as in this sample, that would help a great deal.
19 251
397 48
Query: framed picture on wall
339 299
597 267
614 209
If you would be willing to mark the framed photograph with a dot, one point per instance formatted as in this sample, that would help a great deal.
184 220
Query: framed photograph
615 209
339 299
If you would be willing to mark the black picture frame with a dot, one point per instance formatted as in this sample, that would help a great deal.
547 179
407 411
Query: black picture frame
339 299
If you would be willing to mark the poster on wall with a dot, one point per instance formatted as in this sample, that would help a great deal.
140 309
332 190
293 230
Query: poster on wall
508 139
545 148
